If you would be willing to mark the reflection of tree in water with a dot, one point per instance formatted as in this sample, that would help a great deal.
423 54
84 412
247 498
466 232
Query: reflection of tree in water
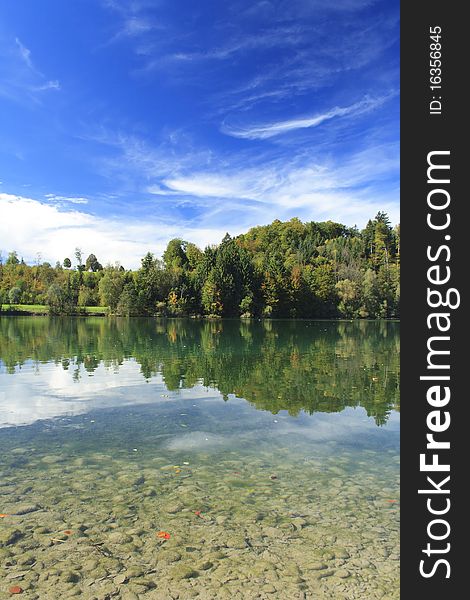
275 365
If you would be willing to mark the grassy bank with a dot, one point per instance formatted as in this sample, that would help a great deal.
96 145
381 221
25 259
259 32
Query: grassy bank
42 309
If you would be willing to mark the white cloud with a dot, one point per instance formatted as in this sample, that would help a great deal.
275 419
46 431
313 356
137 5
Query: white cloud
346 192
71 200
24 53
49 85
30 226
205 185
265 131
269 38
312 184
20 80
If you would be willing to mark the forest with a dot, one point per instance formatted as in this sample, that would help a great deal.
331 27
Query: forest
283 270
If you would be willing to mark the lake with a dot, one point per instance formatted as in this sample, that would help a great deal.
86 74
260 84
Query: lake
147 458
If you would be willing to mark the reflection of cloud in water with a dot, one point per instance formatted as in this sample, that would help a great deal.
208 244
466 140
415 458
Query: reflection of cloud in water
199 440
315 433
26 398
351 427
328 426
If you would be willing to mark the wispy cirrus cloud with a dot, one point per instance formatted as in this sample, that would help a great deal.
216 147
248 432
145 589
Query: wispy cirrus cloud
236 193
315 188
20 79
265 131
275 37
25 54
137 24
299 53
66 199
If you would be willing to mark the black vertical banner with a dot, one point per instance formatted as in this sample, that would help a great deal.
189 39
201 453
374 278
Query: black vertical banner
434 327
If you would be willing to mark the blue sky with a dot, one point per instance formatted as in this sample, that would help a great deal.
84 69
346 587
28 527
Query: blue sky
125 123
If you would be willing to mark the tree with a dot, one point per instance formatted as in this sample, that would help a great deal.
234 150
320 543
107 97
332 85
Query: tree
14 295
211 301
231 276
128 301
86 296
78 257
58 300
12 258
174 257
246 306
67 263
378 238
110 287
370 295
348 292
92 264
194 255
153 283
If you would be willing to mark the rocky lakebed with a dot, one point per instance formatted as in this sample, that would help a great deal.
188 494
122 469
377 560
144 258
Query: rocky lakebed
211 526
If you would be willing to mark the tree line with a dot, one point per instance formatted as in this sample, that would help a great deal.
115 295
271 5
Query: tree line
285 269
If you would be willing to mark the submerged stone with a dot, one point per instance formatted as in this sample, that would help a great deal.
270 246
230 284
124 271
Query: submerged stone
182 571
25 509
9 536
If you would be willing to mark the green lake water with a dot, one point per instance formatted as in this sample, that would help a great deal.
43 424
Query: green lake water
165 459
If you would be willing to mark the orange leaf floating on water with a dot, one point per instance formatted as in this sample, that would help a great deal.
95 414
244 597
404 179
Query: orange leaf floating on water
164 535
392 501
2 516
68 532
16 590
198 514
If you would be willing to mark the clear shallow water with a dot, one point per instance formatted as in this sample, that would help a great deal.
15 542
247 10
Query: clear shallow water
269 452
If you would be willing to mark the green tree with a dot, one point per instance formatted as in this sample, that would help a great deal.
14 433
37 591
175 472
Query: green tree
211 297
174 256
246 306
92 264
370 295
232 275
110 287
128 301
58 300
14 295
194 256
67 263
87 296
79 259
153 284
349 295
13 258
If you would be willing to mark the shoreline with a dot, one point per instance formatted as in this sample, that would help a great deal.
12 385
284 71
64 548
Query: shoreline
104 313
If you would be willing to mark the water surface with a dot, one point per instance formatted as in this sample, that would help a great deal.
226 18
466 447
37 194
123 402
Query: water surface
268 452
